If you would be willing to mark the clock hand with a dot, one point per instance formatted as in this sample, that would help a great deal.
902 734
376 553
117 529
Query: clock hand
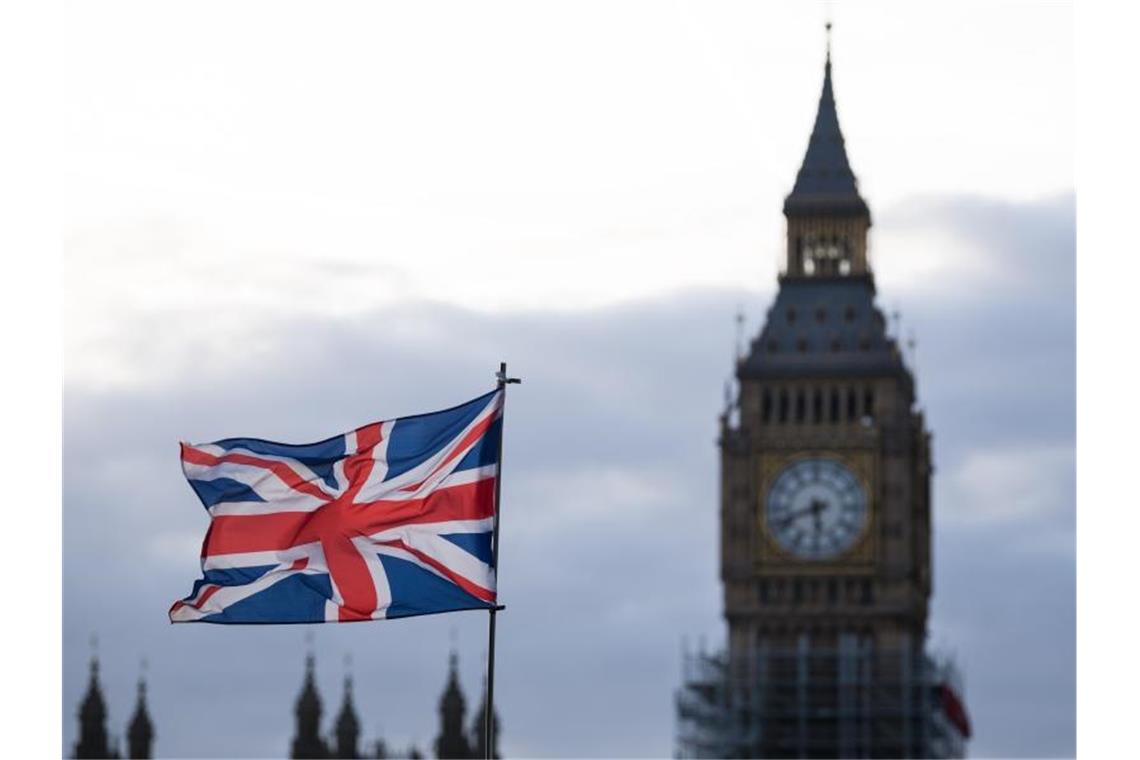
791 516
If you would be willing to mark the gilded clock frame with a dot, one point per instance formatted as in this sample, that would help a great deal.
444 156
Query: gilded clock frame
859 557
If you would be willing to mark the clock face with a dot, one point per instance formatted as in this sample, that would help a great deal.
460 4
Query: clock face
816 509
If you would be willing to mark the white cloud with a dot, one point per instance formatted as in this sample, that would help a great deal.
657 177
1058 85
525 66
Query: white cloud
1007 484
404 157
600 497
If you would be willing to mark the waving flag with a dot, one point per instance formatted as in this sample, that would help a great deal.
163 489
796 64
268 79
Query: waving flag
390 520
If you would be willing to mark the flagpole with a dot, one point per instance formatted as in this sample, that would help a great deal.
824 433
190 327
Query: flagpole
489 706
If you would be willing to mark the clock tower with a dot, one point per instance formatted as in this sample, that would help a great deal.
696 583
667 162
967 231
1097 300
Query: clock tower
826 472
824 508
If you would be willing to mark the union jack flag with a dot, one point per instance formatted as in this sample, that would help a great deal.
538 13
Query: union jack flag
390 520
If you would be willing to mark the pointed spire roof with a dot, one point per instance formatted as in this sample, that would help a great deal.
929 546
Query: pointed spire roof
479 728
307 741
825 183
309 701
93 708
140 733
93 739
452 739
347 724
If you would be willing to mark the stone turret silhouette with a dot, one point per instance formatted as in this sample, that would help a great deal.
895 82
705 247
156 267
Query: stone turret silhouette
140 733
452 739
93 740
478 732
307 741
347 725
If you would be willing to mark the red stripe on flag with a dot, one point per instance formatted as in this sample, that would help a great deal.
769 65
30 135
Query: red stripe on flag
473 435
273 531
468 501
368 436
277 531
284 472
470 587
358 466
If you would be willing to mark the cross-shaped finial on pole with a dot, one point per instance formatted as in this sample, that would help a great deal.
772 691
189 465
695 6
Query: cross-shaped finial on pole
501 375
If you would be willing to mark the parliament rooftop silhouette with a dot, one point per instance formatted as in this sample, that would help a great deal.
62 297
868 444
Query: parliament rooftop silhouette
455 739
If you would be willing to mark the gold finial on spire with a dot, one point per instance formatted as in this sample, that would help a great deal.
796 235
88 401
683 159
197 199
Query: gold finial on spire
827 27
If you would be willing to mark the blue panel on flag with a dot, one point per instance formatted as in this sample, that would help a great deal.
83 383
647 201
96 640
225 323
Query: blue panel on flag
318 457
235 576
414 439
223 489
486 451
476 544
296 598
416 591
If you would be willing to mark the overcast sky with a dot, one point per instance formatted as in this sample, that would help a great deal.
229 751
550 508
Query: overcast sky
285 220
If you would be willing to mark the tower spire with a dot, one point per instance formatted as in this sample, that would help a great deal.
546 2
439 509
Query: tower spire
347 724
827 27
140 734
451 742
825 182
827 217
93 716
307 740
479 729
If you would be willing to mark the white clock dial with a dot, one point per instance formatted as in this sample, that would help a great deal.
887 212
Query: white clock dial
816 509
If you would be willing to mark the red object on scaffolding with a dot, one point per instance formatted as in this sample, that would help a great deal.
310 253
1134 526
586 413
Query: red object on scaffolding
955 710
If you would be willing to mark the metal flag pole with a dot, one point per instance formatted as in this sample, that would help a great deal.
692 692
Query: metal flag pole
489 706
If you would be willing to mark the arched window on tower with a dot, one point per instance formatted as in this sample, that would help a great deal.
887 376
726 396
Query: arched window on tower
835 405
783 405
766 405
800 405
852 408
825 255
817 406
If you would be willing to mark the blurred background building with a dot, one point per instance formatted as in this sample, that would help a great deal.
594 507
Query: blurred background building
825 514
456 738
94 741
